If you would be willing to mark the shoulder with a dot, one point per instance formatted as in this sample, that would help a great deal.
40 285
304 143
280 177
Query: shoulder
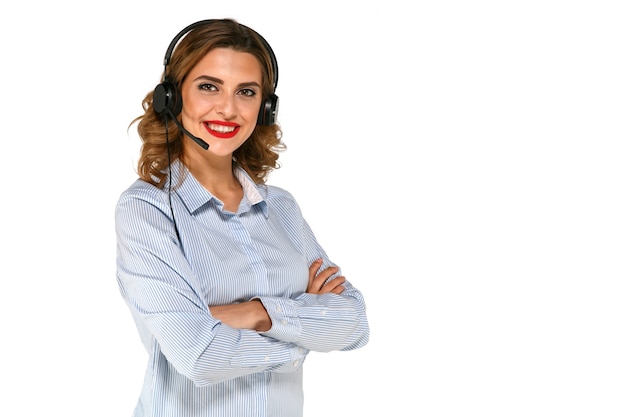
141 193
275 192
281 201
277 195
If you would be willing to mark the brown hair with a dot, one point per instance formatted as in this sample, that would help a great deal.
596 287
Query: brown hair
258 155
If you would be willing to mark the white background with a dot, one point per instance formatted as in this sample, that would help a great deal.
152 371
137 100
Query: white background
462 161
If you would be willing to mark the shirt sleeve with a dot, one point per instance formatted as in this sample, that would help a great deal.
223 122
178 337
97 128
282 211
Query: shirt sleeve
323 323
160 289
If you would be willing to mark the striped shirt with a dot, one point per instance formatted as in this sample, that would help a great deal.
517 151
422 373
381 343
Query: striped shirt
176 259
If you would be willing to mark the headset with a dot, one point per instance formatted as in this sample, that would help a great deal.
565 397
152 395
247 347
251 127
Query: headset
167 100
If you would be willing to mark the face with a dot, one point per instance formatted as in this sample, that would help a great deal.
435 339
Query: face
221 100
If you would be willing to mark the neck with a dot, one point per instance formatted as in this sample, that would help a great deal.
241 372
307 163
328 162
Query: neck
214 173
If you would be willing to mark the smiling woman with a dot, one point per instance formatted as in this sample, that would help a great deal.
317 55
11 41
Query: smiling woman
227 284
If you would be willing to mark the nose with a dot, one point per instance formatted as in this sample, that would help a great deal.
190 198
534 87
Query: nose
225 106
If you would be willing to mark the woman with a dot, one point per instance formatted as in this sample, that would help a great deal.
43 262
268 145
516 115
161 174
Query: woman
225 280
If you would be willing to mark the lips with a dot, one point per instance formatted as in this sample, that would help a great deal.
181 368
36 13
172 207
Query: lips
220 129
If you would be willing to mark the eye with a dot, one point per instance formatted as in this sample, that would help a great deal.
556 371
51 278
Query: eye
207 87
248 92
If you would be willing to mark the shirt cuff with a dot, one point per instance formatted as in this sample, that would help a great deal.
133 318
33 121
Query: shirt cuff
284 315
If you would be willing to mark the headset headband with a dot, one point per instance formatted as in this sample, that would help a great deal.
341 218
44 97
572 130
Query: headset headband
170 49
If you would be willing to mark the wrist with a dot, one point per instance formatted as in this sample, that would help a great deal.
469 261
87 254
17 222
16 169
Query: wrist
263 321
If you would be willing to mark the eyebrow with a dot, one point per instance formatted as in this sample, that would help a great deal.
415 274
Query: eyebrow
221 82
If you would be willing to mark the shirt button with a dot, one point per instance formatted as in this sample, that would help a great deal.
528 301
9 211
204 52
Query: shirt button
267 359
296 363
283 321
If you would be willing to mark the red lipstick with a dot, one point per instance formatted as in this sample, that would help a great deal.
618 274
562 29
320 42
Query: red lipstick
221 129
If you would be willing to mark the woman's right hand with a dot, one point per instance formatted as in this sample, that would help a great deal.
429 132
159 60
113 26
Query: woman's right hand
317 281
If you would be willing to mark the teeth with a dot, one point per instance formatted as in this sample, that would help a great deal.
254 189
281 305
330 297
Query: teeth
222 129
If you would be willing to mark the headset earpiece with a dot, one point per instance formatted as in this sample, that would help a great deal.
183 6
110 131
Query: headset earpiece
268 111
166 96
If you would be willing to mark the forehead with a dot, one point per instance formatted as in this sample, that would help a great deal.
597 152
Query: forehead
226 63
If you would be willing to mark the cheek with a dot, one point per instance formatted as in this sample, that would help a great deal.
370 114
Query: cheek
194 105
251 110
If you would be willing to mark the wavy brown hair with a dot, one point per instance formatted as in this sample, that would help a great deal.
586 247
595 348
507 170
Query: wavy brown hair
258 155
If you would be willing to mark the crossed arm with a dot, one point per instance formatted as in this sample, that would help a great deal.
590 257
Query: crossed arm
252 315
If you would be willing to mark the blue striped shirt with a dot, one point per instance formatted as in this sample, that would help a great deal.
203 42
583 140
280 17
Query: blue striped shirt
197 365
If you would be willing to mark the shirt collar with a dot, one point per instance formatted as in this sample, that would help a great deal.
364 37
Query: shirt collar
195 196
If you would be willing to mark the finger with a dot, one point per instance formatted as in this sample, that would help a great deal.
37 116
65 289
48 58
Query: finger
338 289
317 284
315 266
320 280
334 283
327 273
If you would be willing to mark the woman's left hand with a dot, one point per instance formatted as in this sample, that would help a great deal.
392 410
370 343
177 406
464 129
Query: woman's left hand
317 281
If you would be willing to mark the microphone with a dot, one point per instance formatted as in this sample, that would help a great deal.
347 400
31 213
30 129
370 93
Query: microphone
196 139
